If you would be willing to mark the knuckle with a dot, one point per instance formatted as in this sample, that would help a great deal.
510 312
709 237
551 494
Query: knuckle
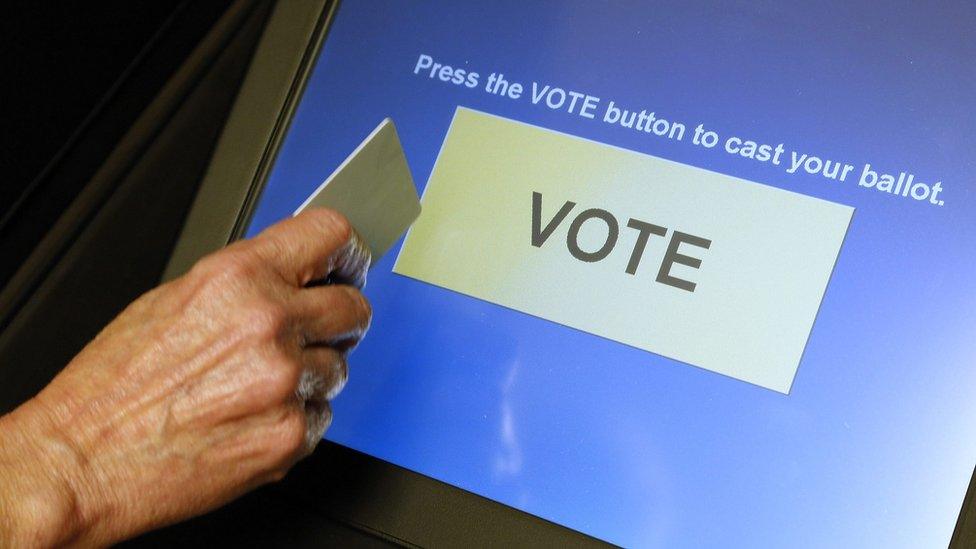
341 377
229 262
240 263
206 265
292 431
281 379
225 273
343 373
366 306
266 318
357 302
201 274
277 475
326 418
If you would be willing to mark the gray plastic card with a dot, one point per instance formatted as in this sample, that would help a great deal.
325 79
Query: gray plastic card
373 188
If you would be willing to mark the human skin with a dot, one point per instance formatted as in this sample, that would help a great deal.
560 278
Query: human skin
201 390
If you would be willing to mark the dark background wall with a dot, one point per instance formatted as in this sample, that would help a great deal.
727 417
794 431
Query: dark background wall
57 60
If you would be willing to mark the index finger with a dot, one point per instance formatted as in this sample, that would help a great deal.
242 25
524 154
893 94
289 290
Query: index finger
314 245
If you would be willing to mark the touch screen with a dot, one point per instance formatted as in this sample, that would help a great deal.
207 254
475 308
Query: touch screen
685 275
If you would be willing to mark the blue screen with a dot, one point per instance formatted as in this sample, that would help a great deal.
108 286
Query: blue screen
875 444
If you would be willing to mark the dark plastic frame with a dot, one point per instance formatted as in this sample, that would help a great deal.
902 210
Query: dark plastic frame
376 497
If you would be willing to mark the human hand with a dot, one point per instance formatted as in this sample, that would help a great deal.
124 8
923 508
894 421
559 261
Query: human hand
201 390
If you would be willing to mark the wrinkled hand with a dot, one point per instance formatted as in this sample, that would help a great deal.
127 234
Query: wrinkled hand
201 390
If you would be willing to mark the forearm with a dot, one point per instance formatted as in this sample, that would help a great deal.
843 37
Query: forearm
38 506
